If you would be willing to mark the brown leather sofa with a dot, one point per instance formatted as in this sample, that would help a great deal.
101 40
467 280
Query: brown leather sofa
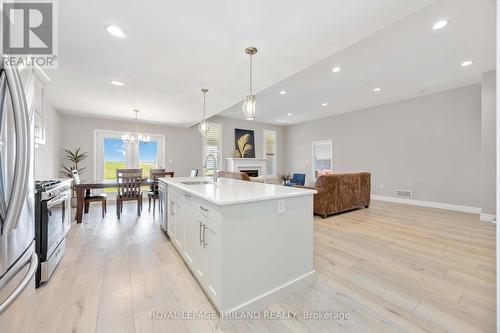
340 192
233 175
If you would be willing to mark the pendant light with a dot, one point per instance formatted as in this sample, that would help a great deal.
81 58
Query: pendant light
203 125
130 138
250 107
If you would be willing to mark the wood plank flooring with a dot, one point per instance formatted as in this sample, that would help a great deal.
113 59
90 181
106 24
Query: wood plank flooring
393 268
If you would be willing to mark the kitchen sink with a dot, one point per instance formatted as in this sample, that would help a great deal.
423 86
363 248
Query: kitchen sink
196 182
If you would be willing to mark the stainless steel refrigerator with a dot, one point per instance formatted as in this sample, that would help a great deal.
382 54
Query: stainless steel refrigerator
18 261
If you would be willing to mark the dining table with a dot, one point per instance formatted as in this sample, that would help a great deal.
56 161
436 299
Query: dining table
86 186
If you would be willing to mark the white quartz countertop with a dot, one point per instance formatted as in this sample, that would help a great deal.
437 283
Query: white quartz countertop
231 191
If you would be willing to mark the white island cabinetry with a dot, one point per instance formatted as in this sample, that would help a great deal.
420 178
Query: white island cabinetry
246 243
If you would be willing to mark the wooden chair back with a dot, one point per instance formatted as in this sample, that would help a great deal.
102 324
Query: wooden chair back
158 175
152 171
129 182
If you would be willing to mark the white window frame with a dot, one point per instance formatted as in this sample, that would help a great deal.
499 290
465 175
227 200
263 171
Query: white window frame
132 150
264 150
203 148
313 167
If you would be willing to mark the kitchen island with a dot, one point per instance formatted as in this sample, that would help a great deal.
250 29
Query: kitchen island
246 243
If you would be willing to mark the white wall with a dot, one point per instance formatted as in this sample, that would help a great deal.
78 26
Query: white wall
488 143
430 145
47 156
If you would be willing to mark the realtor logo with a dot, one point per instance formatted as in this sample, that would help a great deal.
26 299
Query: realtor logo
28 33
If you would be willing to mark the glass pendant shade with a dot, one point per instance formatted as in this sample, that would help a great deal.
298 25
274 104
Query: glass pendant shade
250 107
203 127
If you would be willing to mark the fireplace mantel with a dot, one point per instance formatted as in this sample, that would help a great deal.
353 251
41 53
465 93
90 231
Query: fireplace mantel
236 164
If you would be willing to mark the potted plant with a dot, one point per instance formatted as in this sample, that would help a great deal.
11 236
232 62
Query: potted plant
71 161
284 177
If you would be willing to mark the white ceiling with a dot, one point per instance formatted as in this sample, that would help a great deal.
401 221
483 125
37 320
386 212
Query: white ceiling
174 48
406 59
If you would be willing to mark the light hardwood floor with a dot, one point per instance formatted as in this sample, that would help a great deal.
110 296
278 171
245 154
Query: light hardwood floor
394 268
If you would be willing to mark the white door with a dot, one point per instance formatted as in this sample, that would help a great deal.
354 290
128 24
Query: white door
179 224
191 233
212 256
200 253
112 153
171 219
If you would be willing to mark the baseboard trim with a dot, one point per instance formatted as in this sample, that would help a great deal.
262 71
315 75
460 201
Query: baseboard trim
431 204
270 297
488 218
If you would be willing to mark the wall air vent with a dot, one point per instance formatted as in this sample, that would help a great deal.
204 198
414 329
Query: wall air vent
403 194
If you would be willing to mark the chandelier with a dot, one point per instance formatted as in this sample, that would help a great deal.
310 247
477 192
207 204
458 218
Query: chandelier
137 137
250 107
203 125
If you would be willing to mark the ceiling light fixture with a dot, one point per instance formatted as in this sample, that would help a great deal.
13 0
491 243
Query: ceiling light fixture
283 92
336 69
377 89
250 107
440 25
130 138
118 83
203 125
289 115
324 104
466 63
113 30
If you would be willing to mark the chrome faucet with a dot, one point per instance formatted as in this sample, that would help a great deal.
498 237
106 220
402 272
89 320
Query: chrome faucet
214 177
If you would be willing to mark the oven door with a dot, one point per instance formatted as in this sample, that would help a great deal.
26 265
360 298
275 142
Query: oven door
56 221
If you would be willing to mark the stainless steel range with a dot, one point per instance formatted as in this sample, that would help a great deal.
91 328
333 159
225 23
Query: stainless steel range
52 222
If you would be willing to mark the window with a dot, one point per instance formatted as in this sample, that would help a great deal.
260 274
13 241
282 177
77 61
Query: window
270 152
322 156
112 153
212 144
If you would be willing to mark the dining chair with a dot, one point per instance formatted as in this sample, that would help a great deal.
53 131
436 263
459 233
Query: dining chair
89 197
194 173
154 193
129 183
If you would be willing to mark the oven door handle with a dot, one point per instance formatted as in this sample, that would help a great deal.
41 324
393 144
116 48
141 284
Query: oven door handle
23 147
51 203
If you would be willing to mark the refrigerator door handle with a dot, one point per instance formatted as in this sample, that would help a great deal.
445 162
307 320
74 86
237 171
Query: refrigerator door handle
23 139
20 288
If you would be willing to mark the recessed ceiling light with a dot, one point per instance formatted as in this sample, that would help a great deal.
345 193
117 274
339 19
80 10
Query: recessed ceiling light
466 63
115 31
283 92
324 104
289 115
377 89
440 25
118 83
336 69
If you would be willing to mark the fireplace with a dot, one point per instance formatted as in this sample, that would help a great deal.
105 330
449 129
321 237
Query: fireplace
251 173
254 167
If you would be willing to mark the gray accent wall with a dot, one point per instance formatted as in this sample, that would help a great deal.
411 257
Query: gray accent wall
488 143
430 145
183 146
47 156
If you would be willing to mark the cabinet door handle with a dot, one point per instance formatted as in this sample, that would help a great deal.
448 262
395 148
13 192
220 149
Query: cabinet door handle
201 241
204 209
205 243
